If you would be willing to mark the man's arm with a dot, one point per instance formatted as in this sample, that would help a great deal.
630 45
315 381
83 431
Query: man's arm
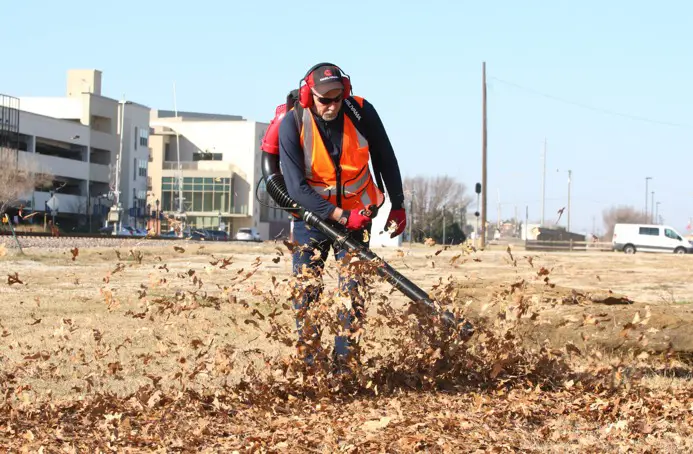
381 149
293 169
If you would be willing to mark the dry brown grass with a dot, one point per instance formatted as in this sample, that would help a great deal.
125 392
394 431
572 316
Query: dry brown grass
152 347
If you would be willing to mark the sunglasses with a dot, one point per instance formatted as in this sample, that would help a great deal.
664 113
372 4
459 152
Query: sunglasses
328 101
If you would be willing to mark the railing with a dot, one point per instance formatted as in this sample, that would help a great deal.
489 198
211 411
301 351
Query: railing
198 165
567 245
214 166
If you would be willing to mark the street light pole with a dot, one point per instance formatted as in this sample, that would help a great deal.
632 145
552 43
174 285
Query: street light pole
652 213
117 227
657 213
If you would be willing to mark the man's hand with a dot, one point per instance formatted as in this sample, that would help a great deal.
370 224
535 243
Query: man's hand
356 220
396 222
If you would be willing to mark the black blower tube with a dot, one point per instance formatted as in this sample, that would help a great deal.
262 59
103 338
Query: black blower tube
274 182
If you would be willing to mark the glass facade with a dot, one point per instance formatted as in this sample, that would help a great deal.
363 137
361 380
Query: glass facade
210 194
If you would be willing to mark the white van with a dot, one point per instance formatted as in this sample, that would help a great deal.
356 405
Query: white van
630 238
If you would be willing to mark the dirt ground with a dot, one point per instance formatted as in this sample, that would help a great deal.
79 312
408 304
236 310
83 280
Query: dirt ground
190 348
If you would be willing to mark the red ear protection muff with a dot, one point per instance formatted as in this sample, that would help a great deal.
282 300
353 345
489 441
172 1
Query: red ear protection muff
305 94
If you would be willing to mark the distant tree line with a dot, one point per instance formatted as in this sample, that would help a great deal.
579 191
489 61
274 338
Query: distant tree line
621 214
435 204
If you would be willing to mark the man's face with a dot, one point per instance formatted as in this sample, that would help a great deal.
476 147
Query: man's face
327 106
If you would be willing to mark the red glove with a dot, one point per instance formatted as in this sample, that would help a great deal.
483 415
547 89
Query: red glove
399 218
356 220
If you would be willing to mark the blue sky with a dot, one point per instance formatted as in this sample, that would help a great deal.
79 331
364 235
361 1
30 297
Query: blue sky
553 72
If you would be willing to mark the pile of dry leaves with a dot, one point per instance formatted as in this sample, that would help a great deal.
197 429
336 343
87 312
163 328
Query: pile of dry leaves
414 385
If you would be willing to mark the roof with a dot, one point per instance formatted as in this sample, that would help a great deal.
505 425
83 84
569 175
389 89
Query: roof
198 115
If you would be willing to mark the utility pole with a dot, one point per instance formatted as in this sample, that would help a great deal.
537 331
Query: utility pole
543 185
570 175
483 157
647 180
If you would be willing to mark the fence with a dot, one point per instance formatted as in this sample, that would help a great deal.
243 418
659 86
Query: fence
567 245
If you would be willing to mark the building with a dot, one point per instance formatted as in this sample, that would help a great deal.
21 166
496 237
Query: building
77 138
61 149
211 163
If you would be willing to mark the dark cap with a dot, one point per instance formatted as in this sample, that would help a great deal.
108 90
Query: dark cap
326 78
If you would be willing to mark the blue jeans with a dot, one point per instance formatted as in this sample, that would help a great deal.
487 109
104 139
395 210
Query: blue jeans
310 240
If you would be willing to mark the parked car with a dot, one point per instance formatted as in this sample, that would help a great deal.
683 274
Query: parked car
248 234
198 234
217 235
630 238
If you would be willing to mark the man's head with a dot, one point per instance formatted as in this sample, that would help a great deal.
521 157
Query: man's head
327 87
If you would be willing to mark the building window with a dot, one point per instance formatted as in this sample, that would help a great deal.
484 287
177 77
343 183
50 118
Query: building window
144 137
202 194
134 169
136 129
207 156
142 169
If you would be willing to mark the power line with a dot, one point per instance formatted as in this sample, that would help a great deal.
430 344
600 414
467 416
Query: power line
588 107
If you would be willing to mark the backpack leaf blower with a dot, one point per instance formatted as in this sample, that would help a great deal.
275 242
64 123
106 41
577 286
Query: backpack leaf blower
276 188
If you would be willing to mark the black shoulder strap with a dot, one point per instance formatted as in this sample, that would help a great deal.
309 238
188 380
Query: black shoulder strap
353 110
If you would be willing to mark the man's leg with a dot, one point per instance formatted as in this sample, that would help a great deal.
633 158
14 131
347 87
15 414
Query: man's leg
349 318
308 261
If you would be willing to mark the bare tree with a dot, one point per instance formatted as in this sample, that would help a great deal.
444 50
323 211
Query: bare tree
433 198
621 214
19 175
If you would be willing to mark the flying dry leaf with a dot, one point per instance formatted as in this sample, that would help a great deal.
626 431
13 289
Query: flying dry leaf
14 279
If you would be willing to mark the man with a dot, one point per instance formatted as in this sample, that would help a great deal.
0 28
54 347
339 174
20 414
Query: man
325 145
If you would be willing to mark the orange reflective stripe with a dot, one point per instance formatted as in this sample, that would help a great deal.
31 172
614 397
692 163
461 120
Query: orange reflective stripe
356 186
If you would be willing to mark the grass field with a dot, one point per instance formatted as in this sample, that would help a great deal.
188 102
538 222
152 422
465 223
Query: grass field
191 349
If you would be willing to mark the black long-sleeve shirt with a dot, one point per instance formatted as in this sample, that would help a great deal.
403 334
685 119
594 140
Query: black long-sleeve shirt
293 164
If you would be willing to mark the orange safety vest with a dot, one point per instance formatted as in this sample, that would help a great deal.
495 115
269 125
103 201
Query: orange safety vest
349 186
